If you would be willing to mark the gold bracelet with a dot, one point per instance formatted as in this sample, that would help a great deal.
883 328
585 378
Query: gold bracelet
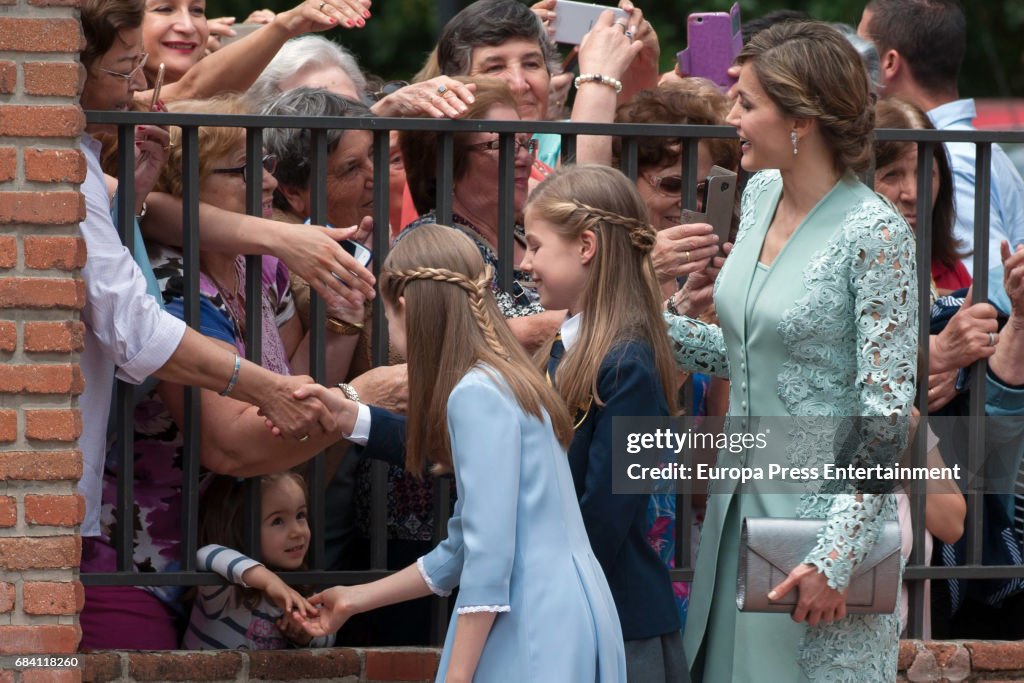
343 327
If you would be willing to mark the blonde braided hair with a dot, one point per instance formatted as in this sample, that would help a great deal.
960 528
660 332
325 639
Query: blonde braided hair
641 234
476 290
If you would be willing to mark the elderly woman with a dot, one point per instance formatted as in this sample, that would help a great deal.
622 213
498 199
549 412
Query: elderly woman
234 438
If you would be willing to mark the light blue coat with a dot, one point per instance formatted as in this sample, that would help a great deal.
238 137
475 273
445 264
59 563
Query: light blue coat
517 546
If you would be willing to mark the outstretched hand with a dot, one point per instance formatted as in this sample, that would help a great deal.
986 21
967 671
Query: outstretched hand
312 252
290 416
335 608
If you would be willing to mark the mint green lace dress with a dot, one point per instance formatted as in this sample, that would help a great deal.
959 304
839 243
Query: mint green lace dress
828 330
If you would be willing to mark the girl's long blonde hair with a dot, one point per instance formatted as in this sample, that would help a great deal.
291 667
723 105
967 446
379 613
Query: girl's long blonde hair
622 299
452 322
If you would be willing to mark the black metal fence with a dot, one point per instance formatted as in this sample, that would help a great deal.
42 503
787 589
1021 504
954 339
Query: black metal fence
918 568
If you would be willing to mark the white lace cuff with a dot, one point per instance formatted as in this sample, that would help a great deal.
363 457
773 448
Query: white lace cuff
426 579
472 609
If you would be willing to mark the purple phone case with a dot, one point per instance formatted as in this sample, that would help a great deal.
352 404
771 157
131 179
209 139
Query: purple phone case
713 39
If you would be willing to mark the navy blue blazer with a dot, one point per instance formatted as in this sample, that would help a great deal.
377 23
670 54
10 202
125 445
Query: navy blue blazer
616 523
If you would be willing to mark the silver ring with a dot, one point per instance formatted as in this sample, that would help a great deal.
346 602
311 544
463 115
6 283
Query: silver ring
629 34
622 25
992 338
322 5
442 89
304 438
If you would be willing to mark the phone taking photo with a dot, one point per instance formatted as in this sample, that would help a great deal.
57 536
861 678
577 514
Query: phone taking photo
360 253
713 40
718 203
573 20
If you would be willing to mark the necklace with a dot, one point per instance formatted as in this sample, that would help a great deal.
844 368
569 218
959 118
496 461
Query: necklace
234 301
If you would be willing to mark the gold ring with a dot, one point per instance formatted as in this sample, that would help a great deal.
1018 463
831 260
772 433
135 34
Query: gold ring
304 438
687 257
442 89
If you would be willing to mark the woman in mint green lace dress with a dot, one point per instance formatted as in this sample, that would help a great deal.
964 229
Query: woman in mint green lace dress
817 305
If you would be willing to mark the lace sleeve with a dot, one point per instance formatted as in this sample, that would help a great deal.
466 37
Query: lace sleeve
697 346
883 282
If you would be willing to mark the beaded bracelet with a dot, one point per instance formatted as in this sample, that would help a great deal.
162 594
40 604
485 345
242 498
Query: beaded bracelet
598 78
234 376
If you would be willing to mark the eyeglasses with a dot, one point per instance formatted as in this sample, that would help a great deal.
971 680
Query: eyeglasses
131 74
673 184
269 165
388 88
528 144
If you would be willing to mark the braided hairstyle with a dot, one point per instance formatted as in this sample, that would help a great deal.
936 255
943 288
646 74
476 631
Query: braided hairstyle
621 300
436 277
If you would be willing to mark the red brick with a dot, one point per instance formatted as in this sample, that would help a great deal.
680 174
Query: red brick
193 666
8 161
401 665
43 337
43 293
53 425
56 79
49 552
6 676
996 656
8 595
8 77
8 336
58 253
8 511
42 121
42 208
40 465
64 675
8 251
49 597
41 379
293 665
54 165
8 427
40 35
39 639
54 510
101 667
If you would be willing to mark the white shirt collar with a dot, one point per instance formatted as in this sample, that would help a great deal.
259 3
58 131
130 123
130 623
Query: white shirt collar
570 330
952 113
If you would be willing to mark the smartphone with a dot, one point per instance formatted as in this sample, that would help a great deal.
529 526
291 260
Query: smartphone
713 39
573 20
357 251
241 31
719 200
156 87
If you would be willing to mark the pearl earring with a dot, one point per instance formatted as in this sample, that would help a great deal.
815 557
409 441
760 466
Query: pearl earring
793 137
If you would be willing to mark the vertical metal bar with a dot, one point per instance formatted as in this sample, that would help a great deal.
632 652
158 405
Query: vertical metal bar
976 434
317 350
124 398
193 427
445 161
688 172
628 162
919 454
568 151
253 313
507 151
381 214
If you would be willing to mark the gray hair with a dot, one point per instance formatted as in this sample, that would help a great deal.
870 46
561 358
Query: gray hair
299 54
867 51
490 23
294 146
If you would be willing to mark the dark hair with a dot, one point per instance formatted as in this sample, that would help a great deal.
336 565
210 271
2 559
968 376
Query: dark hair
674 103
490 23
810 71
419 147
103 20
754 26
896 113
930 35
294 146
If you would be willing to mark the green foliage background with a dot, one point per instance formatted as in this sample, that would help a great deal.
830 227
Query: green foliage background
401 33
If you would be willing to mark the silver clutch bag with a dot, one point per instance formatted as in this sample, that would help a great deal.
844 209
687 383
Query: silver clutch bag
770 547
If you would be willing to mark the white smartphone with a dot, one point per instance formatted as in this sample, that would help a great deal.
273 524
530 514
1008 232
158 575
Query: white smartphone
573 20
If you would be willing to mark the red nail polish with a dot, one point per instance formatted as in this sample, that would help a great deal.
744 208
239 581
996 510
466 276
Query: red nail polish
332 20
367 14
361 22
348 22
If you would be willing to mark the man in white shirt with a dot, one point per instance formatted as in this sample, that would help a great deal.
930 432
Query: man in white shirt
126 330
921 44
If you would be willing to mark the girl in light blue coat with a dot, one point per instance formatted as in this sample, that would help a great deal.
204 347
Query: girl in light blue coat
533 602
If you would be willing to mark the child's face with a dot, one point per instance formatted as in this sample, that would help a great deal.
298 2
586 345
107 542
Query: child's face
558 266
284 535
396 325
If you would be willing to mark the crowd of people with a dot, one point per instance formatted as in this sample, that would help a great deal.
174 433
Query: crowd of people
805 307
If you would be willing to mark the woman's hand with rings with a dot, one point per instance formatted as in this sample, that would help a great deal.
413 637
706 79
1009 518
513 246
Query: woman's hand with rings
440 97
318 15
683 249
545 11
605 49
971 334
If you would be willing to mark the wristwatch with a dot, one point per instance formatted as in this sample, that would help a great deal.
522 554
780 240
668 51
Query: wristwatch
349 391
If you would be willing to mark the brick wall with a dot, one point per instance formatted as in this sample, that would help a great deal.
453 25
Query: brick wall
40 337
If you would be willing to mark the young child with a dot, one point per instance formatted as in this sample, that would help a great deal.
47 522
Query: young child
533 604
258 611
588 252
